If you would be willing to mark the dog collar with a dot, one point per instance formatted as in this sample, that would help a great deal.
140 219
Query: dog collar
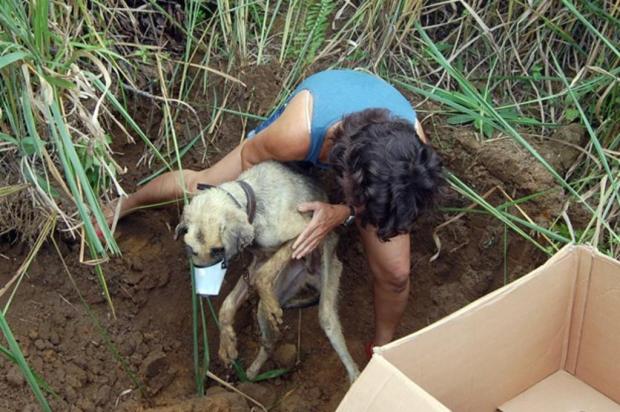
250 197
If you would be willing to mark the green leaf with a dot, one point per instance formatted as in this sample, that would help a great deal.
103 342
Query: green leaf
537 72
28 146
62 83
17 354
41 182
30 121
74 173
12 58
40 26
459 119
571 114
240 372
443 46
272 374
5 137
487 129
312 33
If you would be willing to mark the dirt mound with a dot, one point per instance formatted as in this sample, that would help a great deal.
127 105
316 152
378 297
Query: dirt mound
504 163
144 358
151 336
216 401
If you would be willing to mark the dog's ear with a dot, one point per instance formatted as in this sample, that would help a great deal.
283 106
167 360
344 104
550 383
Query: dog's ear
236 235
180 230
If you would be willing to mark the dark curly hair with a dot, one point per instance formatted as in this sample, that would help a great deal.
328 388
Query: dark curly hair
385 169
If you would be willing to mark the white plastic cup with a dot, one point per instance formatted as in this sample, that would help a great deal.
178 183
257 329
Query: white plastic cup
209 279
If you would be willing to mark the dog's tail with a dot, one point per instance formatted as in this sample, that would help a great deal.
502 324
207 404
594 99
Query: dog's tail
297 288
305 301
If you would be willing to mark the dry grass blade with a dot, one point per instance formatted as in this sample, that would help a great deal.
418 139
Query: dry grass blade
211 70
9 190
46 230
232 388
472 206
453 219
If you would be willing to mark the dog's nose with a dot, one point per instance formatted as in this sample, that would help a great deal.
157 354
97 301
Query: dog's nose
190 251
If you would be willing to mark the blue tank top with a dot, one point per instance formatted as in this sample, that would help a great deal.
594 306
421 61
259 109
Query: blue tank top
337 93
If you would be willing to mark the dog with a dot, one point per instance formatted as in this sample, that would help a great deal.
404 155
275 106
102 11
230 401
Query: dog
259 212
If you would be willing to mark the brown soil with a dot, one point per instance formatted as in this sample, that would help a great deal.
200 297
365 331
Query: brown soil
151 291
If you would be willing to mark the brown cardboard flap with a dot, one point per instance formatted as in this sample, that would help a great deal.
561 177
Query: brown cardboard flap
484 354
561 392
582 284
598 357
382 388
548 342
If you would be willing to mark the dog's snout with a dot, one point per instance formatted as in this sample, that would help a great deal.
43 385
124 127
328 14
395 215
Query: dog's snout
218 253
190 251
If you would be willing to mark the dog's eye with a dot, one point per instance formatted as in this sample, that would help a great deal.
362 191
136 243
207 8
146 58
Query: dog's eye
180 230
217 252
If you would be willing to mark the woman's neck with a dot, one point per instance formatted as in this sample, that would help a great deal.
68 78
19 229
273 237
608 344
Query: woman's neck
328 143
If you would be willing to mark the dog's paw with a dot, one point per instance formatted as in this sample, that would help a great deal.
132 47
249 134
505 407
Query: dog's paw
353 373
251 373
272 312
228 345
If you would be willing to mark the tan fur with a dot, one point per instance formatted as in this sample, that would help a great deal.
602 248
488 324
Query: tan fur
213 221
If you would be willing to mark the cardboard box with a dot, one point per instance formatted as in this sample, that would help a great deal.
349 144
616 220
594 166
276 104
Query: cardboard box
549 341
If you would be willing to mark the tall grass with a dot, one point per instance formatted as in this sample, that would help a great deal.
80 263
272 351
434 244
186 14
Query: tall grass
574 100
507 69
58 77
14 354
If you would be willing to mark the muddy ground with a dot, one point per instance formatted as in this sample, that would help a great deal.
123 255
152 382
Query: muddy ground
143 358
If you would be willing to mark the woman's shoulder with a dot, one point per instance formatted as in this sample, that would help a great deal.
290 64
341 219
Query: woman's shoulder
288 137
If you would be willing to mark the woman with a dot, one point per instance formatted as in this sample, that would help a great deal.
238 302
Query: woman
365 130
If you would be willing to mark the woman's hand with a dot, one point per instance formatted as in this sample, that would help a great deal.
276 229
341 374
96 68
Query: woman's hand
325 218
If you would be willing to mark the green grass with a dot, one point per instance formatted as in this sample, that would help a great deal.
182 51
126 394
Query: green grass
14 354
68 77
472 105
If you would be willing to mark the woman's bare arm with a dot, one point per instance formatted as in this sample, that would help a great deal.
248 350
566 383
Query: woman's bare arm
286 139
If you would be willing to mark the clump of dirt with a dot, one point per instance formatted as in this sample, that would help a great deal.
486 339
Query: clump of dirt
217 399
285 356
564 146
143 358
506 164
